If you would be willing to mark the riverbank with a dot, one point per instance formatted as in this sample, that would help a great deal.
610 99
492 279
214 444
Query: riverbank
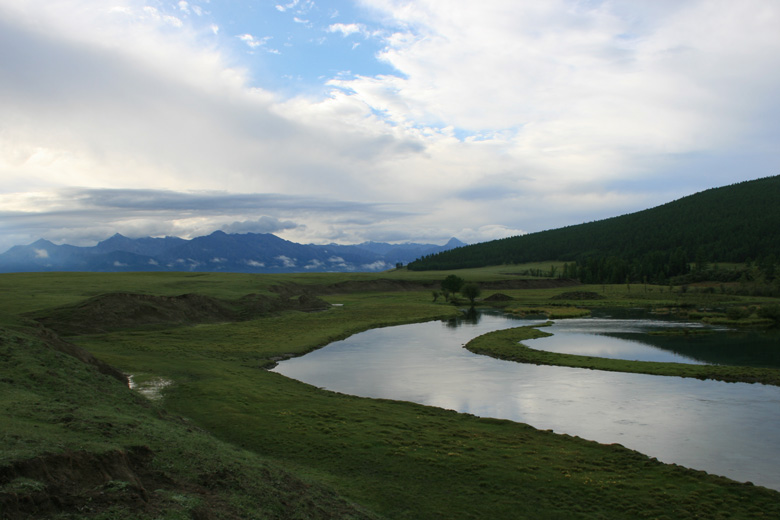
506 345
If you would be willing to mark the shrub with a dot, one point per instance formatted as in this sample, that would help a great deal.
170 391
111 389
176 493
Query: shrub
471 291
737 313
771 312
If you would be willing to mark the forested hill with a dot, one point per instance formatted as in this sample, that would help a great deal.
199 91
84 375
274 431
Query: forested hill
729 224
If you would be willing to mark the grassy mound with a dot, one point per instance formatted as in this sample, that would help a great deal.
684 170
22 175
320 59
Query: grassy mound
123 311
498 297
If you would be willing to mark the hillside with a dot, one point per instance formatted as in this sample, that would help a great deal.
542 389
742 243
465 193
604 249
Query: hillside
730 224
80 444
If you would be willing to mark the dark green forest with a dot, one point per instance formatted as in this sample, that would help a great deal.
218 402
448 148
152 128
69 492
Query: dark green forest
685 238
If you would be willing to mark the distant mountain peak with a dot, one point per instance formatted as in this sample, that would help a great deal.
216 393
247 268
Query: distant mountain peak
41 242
114 238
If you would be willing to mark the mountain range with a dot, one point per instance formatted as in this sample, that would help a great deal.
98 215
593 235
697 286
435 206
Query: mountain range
219 251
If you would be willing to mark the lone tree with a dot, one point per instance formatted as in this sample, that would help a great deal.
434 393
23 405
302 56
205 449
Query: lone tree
452 284
471 291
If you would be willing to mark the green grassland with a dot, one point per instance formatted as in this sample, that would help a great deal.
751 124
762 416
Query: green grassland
230 439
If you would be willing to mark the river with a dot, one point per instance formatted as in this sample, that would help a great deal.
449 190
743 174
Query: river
729 429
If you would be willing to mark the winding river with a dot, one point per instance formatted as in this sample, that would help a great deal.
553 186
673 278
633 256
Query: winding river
729 429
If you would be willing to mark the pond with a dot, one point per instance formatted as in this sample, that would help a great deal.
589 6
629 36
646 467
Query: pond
730 429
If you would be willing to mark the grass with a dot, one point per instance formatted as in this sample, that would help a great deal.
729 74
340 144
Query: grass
255 434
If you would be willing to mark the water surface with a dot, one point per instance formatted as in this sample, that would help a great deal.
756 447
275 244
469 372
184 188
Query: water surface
617 338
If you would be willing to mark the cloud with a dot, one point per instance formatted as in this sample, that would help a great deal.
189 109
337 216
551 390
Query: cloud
347 29
155 15
85 216
313 264
497 118
379 265
286 261
299 6
41 253
285 7
184 263
594 90
207 201
253 42
171 122
262 225
250 40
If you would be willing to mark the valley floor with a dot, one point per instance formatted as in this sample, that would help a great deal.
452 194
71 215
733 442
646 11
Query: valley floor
229 439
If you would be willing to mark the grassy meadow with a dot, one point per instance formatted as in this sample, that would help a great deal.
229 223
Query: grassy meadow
229 439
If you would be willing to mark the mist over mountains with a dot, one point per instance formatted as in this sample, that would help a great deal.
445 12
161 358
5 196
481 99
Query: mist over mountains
219 251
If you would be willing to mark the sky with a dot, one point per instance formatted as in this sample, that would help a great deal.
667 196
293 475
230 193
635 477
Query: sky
387 120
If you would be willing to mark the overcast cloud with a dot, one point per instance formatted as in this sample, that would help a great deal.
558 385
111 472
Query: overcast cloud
433 119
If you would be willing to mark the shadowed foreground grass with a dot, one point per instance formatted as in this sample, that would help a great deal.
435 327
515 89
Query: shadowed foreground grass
80 444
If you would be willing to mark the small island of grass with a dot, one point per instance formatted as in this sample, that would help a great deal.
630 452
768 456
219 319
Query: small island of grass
505 344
